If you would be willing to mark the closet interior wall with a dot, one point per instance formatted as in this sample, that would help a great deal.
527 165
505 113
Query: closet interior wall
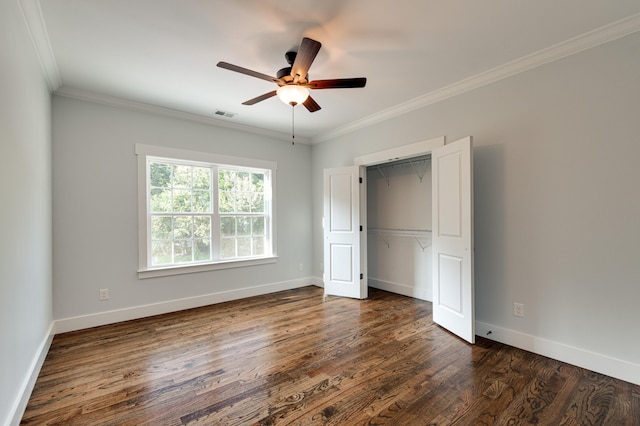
399 225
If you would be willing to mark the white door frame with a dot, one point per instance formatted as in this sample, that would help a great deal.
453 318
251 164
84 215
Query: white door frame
416 149
393 154
400 153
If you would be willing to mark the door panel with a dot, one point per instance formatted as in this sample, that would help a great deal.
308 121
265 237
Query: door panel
342 236
449 193
452 191
450 273
341 203
342 261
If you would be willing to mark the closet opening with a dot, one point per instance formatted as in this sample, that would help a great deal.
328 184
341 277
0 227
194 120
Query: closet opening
399 226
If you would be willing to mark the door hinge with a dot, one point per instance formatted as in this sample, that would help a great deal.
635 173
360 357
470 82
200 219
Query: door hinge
361 276
360 228
360 180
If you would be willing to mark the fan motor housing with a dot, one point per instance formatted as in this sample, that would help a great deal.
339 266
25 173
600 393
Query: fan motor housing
284 74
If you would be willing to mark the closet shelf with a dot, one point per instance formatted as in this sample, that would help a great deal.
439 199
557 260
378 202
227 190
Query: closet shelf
422 236
411 162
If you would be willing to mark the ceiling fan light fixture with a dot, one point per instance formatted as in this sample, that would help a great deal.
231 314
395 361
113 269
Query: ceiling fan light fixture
292 94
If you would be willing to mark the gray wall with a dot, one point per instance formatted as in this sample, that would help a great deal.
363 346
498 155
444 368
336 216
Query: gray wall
557 202
25 209
95 209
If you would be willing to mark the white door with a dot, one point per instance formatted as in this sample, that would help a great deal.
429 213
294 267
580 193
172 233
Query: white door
344 274
452 191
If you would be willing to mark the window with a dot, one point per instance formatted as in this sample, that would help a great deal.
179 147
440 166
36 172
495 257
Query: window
200 211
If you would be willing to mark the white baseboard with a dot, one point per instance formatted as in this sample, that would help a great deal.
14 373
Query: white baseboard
24 393
404 289
317 281
620 369
101 318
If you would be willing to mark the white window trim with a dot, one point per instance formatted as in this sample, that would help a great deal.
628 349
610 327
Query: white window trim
142 152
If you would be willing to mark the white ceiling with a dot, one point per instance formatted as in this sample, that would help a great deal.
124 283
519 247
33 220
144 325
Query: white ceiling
164 52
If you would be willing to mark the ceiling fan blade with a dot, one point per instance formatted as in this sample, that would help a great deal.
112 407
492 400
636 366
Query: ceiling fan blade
311 105
260 98
304 58
249 72
338 83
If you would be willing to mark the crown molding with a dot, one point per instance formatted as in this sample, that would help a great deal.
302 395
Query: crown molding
37 29
99 98
553 53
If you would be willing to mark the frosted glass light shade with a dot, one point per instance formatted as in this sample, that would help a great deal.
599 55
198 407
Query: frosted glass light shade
292 94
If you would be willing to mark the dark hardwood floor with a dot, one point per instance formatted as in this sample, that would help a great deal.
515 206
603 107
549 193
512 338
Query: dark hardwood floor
298 358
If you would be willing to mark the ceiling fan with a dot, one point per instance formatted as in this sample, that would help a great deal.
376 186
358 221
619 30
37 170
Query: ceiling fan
294 79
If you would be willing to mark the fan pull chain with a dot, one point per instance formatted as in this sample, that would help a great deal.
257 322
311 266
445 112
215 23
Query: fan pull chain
293 135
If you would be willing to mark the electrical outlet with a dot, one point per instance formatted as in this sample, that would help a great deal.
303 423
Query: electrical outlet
300 267
518 309
104 294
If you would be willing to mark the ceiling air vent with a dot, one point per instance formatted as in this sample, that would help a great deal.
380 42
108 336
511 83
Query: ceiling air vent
224 114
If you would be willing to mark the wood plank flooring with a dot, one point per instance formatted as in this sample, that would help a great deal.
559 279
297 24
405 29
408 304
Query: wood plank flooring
298 358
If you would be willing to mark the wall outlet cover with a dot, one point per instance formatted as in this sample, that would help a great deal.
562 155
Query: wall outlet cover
518 309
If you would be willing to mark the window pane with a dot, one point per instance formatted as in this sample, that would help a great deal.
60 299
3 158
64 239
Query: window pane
243 202
182 176
160 175
182 227
258 226
160 200
226 203
202 250
202 227
201 201
243 182
202 178
227 248
183 251
257 203
226 180
182 200
160 253
258 246
161 227
228 226
244 247
257 182
244 225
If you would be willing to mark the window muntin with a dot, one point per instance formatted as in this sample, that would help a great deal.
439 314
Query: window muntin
206 213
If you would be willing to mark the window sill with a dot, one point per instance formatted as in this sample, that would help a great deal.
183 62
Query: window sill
203 267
